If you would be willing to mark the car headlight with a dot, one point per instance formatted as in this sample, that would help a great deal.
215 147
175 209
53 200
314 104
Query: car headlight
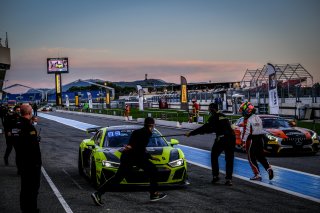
176 163
272 137
110 164
314 136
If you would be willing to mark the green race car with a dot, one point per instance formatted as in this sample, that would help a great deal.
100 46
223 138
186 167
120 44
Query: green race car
99 157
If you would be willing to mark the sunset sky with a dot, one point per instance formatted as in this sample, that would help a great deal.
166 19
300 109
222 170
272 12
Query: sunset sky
122 40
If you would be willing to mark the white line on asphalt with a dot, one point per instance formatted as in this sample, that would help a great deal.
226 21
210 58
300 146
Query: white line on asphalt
77 184
262 183
279 167
56 191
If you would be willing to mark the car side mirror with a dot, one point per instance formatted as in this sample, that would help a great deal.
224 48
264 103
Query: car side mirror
90 144
174 141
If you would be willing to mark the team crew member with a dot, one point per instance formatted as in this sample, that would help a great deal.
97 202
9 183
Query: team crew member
31 163
134 154
3 112
10 134
35 109
225 141
252 136
195 110
127 111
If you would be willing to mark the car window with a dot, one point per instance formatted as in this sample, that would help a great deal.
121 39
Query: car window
156 140
275 123
120 138
239 121
117 138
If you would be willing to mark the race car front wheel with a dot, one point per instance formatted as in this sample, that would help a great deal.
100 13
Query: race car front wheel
93 175
80 167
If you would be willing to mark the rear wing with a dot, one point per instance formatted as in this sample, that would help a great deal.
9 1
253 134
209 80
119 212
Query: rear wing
93 129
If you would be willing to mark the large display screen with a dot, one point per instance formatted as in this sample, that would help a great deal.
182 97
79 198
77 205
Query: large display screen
57 65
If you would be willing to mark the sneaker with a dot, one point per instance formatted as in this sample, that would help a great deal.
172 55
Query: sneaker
215 179
186 183
157 196
96 199
228 182
270 173
256 177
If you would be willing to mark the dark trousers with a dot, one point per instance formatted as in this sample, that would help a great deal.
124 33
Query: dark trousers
126 163
11 143
30 184
254 148
226 144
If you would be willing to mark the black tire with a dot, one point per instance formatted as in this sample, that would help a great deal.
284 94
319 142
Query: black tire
80 166
93 176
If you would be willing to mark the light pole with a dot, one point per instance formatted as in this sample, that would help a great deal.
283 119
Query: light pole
3 86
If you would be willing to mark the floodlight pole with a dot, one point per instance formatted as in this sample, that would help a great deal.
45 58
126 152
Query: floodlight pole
58 89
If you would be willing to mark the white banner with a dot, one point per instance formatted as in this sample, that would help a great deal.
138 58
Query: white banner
90 100
273 94
67 101
140 92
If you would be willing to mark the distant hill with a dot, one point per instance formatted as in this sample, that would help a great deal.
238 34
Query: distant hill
144 83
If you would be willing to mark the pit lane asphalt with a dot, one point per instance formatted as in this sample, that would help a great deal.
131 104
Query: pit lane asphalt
59 148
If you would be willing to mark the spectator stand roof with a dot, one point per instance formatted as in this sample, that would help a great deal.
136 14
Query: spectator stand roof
286 74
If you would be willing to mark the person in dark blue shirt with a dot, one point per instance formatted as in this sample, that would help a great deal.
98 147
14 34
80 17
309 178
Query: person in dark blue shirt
225 141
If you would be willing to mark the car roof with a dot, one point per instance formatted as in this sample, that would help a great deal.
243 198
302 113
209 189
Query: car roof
123 127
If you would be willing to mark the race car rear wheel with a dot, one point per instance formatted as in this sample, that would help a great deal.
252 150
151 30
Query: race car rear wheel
93 174
80 166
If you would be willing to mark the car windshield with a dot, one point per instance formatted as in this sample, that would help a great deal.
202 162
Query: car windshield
270 123
120 138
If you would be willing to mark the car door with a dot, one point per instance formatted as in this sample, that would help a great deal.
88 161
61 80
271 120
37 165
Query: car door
88 151
238 130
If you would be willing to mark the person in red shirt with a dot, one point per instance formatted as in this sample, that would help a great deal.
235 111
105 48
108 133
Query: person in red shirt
195 110
127 111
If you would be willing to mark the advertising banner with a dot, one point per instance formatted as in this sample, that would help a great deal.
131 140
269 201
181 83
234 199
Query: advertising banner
67 101
140 92
90 100
273 94
58 89
184 94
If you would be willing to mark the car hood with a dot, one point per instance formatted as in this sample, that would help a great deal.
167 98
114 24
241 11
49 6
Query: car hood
289 132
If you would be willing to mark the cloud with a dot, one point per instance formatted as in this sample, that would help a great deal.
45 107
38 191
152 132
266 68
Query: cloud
29 68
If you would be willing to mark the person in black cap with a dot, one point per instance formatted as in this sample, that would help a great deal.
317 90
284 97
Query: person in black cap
225 141
134 154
